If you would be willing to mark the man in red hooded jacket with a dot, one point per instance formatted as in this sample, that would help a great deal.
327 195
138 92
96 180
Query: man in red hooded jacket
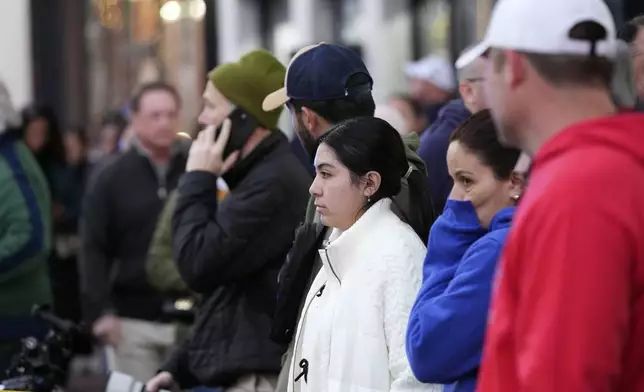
568 310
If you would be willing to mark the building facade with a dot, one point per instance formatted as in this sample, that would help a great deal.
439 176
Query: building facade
82 60
388 33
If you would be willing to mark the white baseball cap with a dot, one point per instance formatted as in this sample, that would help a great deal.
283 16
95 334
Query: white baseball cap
435 69
543 27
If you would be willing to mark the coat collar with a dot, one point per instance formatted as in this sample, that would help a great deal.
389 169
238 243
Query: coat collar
343 248
272 143
464 214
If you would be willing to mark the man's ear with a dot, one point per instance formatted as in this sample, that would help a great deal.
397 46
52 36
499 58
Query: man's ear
309 119
515 68
465 90
314 123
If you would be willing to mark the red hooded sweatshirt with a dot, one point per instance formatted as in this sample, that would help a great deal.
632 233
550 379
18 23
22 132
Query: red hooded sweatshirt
568 310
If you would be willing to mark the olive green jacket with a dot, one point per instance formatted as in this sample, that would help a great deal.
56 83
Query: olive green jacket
161 270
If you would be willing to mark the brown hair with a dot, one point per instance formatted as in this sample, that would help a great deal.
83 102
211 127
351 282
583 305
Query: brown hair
566 70
629 32
478 135
152 87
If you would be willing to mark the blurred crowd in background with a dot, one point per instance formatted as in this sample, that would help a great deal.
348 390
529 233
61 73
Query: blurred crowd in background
103 101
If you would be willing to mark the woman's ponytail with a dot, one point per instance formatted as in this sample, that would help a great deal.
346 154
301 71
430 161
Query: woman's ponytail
415 193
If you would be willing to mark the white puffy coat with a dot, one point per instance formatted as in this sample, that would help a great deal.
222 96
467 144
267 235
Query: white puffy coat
351 336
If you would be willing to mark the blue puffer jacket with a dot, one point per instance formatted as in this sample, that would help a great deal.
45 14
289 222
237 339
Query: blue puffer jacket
447 323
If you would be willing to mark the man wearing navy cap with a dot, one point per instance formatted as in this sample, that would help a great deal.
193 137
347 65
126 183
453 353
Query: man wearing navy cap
325 84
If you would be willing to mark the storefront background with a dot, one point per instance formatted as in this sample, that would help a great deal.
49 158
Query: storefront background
103 56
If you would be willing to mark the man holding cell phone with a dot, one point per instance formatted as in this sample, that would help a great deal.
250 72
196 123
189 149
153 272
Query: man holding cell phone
230 252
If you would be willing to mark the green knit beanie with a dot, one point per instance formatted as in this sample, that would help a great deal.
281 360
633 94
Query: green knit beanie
248 81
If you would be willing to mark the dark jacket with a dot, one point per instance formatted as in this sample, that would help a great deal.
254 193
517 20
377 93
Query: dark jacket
302 155
123 201
433 150
231 253
67 188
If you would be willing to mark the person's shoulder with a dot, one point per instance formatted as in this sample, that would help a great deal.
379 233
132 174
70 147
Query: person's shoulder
18 158
449 117
587 175
283 166
105 169
492 242
454 108
602 190
395 237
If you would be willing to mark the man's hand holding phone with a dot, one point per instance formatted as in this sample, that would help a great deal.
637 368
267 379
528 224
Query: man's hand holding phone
207 152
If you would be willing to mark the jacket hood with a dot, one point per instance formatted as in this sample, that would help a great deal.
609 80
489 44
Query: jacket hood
622 132
412 143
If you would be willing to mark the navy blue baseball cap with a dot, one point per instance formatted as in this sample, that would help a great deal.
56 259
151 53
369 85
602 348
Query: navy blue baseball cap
318 73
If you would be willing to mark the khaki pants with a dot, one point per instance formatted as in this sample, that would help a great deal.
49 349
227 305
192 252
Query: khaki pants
254 383
145 347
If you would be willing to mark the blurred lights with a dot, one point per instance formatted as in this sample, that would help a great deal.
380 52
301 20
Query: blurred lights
174 10
170 11
197 9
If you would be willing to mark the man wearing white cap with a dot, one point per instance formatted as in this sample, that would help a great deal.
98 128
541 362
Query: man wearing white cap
471 80
568 311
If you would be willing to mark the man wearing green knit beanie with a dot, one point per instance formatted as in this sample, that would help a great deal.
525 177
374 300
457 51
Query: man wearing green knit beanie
230 251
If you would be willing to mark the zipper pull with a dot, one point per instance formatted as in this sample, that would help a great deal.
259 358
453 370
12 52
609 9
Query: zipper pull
304 365
319 293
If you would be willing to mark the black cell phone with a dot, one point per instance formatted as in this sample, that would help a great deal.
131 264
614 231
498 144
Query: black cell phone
242 126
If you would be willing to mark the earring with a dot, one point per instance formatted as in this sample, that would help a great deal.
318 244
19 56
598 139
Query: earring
368 200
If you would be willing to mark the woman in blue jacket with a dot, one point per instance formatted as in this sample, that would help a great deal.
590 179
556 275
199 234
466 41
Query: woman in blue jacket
447 323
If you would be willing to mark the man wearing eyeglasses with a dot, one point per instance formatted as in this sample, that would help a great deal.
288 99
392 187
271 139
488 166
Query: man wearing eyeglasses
434 141
470 82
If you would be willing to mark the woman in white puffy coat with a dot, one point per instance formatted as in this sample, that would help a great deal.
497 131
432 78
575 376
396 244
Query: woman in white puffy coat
351 336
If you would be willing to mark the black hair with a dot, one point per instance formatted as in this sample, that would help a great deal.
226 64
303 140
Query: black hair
629 32
116 119
79 132
334 111
370 144
415 105
152 87
53 150
478 135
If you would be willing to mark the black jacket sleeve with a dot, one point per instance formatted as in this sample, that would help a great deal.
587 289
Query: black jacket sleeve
214 247
177 365
95 258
